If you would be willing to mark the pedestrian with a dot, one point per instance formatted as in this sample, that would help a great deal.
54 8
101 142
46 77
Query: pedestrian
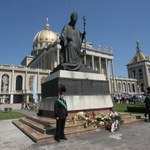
61 113
147 104
22 105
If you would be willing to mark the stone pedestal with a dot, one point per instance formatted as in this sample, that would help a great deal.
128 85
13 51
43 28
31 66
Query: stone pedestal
85 92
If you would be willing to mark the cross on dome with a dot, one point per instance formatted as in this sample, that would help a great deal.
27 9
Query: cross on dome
47 27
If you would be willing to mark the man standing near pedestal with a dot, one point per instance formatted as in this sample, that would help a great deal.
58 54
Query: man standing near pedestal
61 113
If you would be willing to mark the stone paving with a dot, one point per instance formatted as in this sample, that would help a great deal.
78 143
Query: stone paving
133 136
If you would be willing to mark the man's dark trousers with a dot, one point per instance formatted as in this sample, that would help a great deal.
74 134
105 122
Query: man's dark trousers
60 125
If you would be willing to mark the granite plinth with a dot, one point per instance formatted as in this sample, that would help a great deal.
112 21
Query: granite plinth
85 91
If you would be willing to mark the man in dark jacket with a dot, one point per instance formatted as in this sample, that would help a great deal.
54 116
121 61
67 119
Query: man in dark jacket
61 113
147 103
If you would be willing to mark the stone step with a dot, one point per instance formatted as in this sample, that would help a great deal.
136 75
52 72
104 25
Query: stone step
42 120
52 122
39 137
128 118
38 126
124 114
47 128
41 129
32 133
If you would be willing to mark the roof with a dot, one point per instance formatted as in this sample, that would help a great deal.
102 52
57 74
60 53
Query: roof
139 56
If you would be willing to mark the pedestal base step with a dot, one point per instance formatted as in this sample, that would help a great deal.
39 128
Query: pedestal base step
42 129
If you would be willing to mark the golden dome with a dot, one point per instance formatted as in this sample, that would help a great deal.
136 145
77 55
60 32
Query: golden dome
43 38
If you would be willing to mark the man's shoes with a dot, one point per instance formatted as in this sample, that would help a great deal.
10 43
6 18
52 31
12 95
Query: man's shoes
57 139
64 138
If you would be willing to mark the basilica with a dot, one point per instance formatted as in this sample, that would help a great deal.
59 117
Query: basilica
17 80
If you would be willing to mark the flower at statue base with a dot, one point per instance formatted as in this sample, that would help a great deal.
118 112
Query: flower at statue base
101 123
86 124
116 121
80 115
114 126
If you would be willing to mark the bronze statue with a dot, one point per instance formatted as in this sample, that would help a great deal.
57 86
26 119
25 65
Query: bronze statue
71 40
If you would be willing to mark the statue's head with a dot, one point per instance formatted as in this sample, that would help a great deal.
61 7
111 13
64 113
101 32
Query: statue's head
74 18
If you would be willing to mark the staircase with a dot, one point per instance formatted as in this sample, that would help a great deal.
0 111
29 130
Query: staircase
41 129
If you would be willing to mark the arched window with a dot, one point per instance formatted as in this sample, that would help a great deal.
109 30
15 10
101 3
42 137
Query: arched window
133 87
5 83
129 87
18 83
123 87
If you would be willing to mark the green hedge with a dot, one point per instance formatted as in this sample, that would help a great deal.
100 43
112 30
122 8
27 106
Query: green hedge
136 108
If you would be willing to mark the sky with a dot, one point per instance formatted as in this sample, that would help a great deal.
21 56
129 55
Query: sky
116 24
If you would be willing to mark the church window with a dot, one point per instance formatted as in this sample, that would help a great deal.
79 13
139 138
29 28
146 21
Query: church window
90 64
123 87
18 83
5 83
140 74
41 44
142 87
134 74
133 87
129 87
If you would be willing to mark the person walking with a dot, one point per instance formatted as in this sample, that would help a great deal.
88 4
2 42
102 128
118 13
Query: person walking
61 113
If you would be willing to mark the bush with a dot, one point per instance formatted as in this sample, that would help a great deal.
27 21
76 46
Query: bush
7 109
136 108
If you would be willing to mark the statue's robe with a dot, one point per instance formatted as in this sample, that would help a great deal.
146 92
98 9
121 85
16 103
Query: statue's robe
71 41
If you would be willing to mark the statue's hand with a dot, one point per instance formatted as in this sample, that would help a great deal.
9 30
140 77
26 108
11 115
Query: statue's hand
83 35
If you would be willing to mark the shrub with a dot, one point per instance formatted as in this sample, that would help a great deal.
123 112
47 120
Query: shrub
136 108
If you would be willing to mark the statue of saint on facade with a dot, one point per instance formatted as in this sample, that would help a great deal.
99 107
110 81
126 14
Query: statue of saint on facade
71 41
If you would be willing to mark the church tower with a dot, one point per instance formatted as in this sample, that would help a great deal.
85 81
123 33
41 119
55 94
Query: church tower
139 68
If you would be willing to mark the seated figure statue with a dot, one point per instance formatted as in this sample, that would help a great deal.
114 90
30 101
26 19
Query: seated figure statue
71 40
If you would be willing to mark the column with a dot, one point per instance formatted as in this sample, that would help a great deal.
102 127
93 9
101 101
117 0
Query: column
113 76
93 62
38 82
11 88
106 68
0 82
11 98
58 54
146 83
100 65
84 59
27 98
